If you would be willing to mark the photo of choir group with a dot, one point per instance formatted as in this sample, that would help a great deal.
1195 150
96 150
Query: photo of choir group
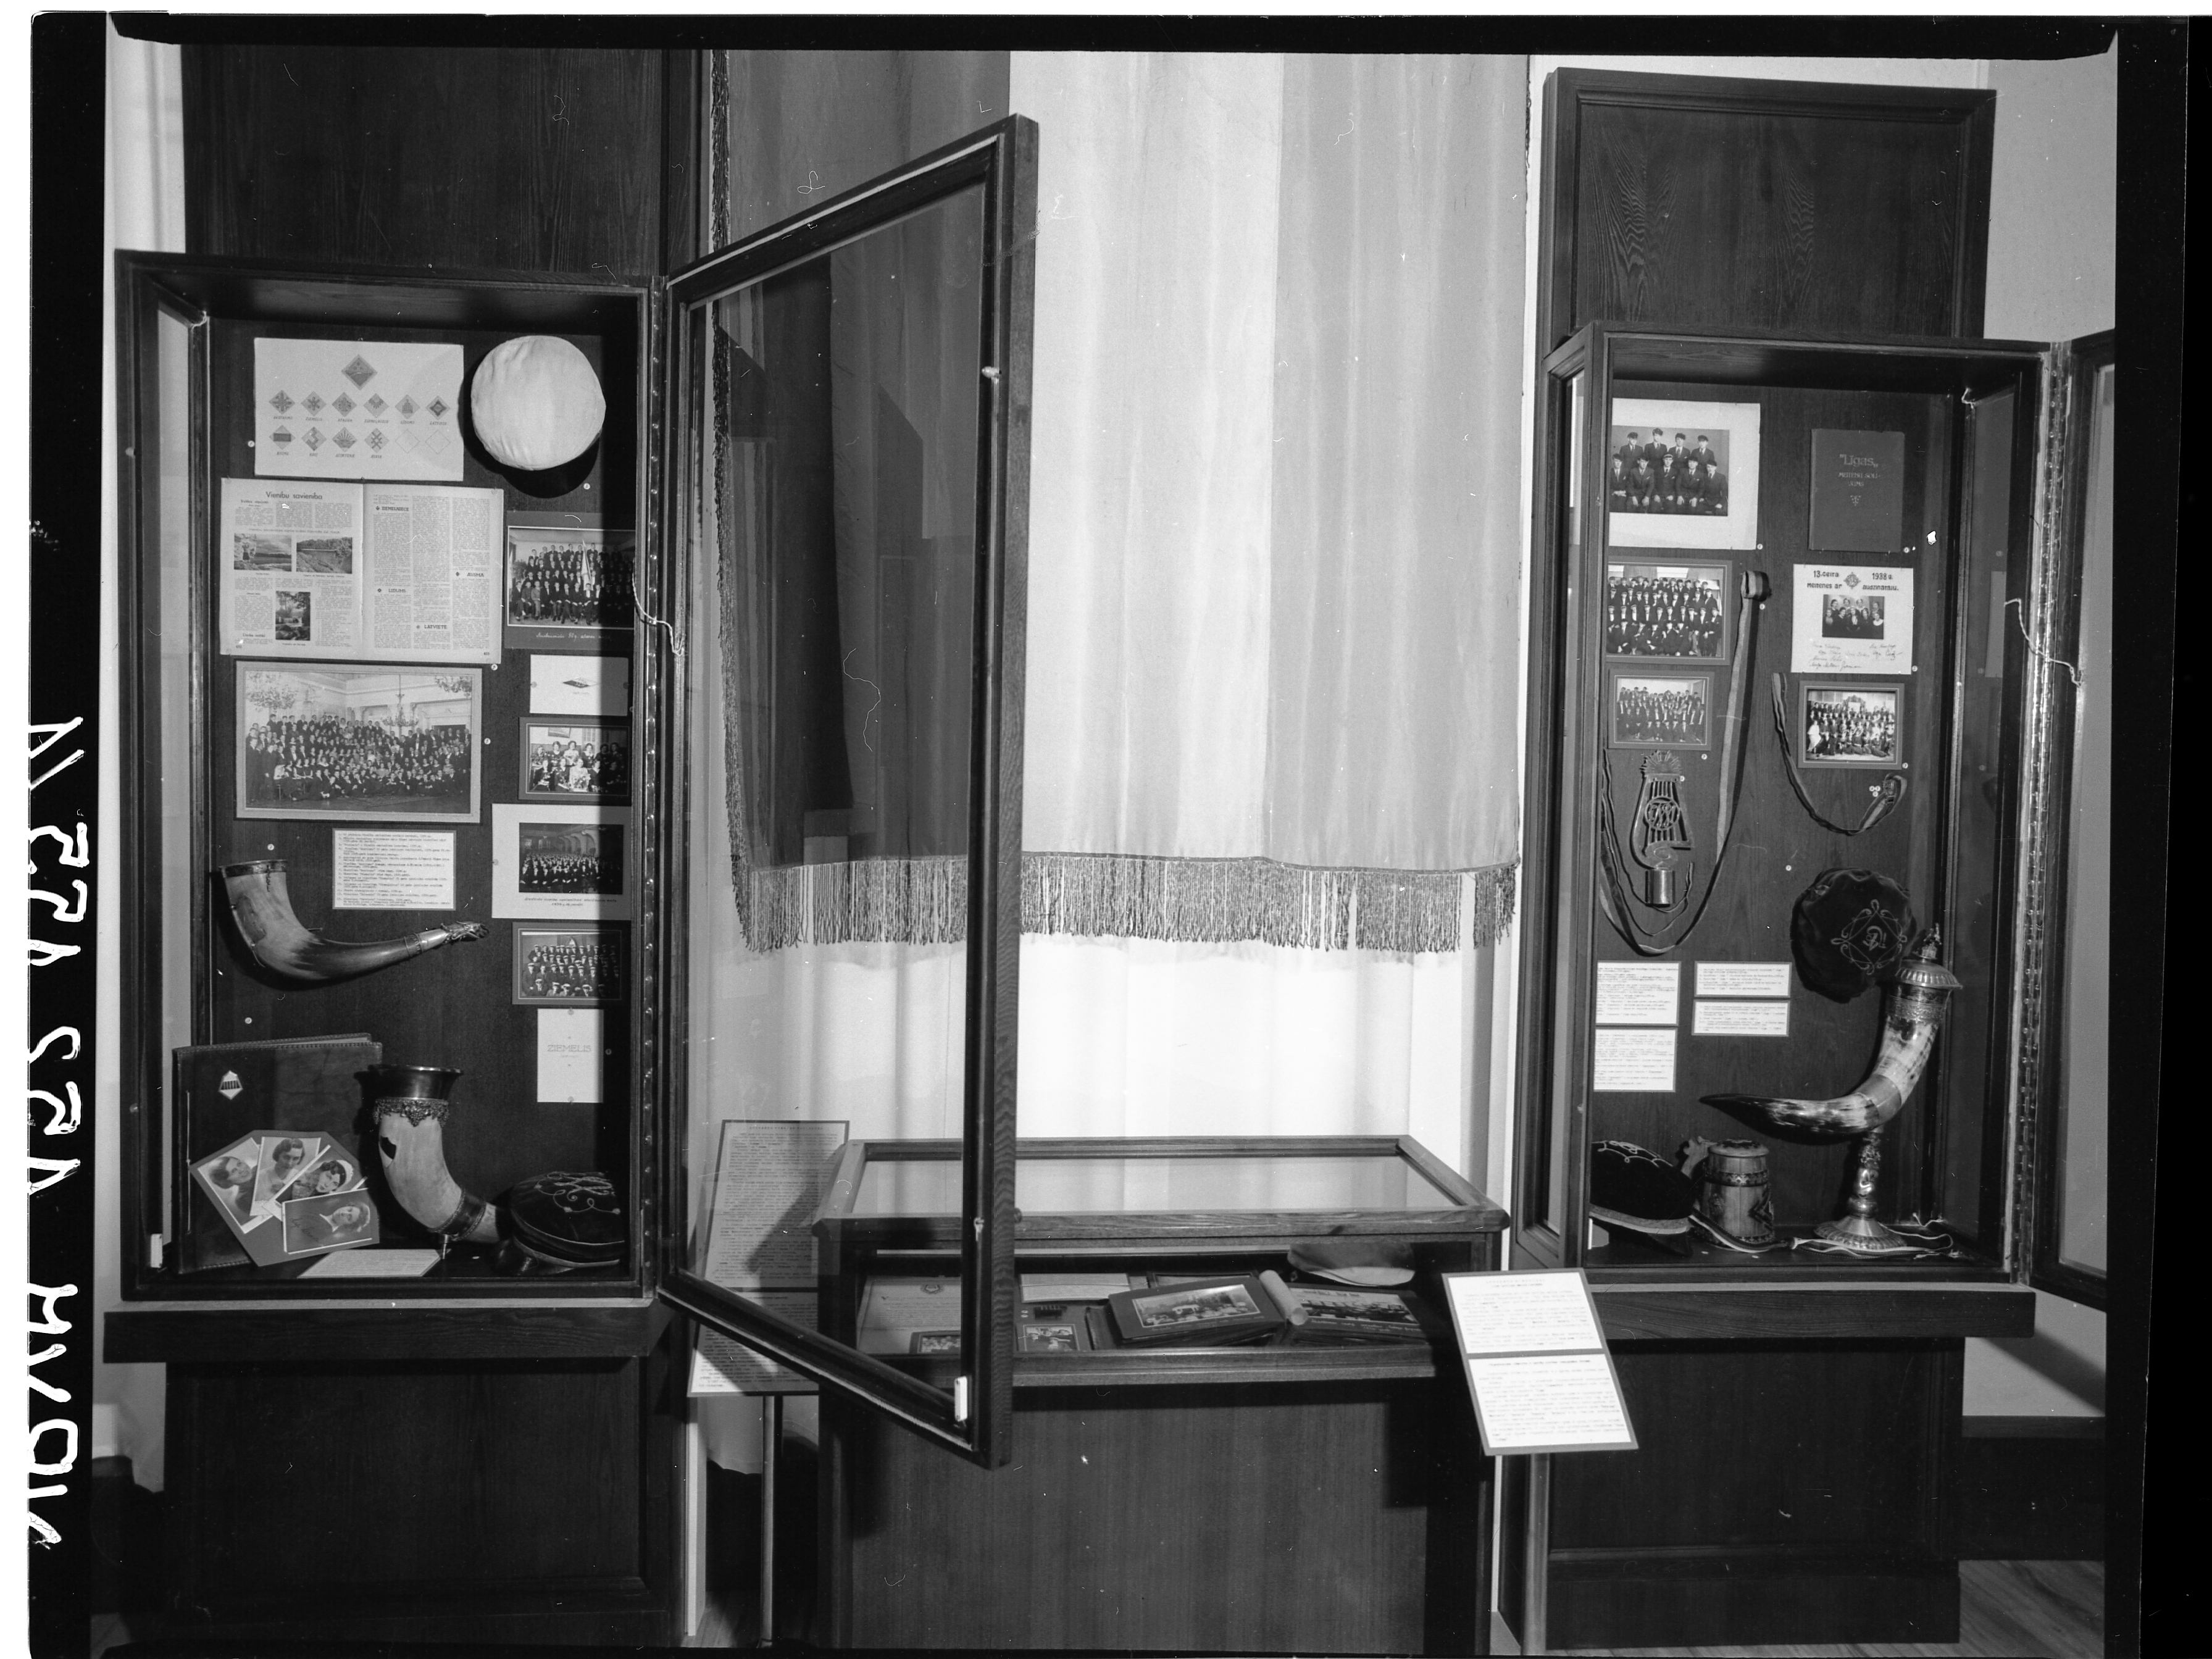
575 760
1665 610
1651 469
572 967
1851 725
568 579
1654 711
358 742
570 858
1848 616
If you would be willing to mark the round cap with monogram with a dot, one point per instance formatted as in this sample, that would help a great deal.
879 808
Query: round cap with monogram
574 1220
1850 931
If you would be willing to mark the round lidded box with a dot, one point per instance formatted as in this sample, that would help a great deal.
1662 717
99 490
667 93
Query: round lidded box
569 1217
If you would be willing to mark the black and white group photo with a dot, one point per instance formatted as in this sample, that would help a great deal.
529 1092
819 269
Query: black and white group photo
575 760
1851 726
1852 617
1665 610
1654 469
561 581
358 742
568 966
1655 710
570 858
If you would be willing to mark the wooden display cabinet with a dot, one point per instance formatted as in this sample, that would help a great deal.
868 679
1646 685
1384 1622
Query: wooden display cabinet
1190 1499
1770 1500
498 1437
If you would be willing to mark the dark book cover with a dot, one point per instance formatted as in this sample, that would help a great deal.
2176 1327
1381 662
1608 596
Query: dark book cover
223 1092
1858 492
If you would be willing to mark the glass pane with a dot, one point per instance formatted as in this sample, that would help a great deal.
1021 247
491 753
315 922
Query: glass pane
1552 1179
1988 687
2081 1184
1062 1185
174 713
830 669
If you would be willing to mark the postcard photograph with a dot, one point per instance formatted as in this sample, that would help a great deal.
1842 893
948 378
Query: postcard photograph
1681 474
1668 609
568 586
574 967
1195 1307
340 742
227 1178
1850 725
328 1222
1660 711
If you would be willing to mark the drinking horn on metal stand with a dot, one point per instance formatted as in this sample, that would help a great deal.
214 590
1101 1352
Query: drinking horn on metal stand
411 1108
261 904
1918 990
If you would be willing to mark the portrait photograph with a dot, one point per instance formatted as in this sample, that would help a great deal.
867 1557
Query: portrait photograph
574 760
228 1179
1666 609
554 863
568 585
283 1158
580 966
1681 474
1847 725
367 743
1660 711
328 1222
1853 615
330 1170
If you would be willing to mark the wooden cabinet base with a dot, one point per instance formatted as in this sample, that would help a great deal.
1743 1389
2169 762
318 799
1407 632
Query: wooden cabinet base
448 1501
1782 1493
1339 1518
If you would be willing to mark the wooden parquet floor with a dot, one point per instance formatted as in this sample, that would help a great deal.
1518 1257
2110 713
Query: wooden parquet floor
2006 1610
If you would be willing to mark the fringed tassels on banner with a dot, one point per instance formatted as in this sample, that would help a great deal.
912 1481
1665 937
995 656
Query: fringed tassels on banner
872 902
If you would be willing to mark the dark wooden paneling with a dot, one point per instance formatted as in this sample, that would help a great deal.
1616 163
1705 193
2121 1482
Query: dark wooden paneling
2031 1489
492 157
1186 1520
1780 1493
456 1330
1813 1311
1685 200
381 1499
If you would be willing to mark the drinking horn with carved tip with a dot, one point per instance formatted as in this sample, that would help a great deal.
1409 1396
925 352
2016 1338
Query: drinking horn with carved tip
261 904
411 1109
1913 1004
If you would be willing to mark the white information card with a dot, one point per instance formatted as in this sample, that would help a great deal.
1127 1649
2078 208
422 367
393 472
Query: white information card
1537 1363
1638 993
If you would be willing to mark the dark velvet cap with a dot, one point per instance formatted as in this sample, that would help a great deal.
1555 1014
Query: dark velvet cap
1850 931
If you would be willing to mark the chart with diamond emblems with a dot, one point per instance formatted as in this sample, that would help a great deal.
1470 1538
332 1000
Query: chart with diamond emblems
356 409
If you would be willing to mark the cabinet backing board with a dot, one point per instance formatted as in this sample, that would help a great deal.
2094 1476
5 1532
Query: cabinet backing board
454 1007
1775 849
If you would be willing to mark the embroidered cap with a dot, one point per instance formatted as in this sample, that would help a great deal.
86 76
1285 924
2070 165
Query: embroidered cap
1849 930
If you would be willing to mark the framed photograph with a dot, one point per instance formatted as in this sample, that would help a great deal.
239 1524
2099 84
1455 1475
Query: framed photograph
569 584
935 1342
1373 1314
1064 1335
1682 474
1841 723
1195 1313
1679 610
369 742
1658 710
575 759
551 863
579 966
580 686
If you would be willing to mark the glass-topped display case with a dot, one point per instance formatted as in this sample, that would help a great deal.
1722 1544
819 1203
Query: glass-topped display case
1799 609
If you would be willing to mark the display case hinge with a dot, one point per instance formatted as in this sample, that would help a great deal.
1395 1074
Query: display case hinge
960 1400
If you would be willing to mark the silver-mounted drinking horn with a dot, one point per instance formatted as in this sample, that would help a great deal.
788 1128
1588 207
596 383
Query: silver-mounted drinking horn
1912 1009
261 904
411 1108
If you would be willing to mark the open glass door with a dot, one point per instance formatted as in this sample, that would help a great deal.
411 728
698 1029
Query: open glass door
848 480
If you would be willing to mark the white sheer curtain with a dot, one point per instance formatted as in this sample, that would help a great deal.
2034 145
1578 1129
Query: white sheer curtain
144 209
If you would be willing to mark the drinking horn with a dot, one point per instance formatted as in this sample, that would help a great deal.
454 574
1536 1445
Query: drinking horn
1913 1002
261 904
411 1108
